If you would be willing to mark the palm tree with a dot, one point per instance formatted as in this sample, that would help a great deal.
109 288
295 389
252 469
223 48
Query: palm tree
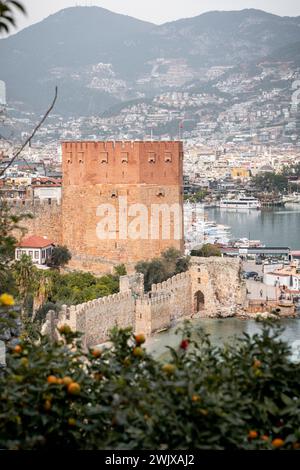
44 287
8 10
25 275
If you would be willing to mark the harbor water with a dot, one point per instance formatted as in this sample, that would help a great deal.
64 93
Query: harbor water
278 226
221 331
273 227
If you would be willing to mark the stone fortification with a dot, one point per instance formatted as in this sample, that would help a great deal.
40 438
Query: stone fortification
211 288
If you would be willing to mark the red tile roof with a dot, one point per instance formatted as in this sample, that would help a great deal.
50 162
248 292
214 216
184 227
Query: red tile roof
35 242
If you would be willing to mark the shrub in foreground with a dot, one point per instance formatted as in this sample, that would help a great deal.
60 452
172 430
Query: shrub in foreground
239 396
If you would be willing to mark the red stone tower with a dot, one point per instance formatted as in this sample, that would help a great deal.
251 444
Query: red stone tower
132 180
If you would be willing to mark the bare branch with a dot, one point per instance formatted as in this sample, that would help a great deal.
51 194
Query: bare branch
32 134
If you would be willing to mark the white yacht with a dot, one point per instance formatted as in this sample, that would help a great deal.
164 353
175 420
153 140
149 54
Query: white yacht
240 202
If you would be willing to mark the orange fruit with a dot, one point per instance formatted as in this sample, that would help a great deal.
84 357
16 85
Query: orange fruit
74 388
140 338
98 376
67 380
296 445
51 379
196 398
264 437
17 349
138 352
47 405
253 434
71 422
59 381
278 442
168 368
96 352
65 329
256 364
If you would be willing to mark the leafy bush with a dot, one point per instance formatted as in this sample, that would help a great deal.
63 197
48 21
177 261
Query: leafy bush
60 256
79 287
240 396
207 250
160 269
271 182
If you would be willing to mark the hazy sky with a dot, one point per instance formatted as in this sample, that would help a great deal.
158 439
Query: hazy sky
158 11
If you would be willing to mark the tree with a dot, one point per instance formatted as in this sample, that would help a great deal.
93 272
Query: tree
160 269
60 257
8 9
243 395
25 274
154 272
271 182
199 196
120 270
206 251
9 228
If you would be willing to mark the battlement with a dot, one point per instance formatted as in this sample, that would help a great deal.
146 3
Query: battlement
130 162
108 301
33 204
211 287
174 282
151 300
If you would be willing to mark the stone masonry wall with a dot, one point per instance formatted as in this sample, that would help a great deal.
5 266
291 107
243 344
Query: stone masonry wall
219 281
96 174
46 219
96 318
216 279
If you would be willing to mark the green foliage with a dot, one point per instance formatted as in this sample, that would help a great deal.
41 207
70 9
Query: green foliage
271 182
206 251
9 324
60 256
9 226
160 269
26 278
79 287
120 270
239 396
7 13
199 196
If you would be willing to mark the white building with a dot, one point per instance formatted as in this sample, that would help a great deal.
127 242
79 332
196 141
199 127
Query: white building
287 277
47 193
38 248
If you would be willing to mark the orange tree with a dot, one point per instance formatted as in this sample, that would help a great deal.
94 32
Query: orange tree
243 396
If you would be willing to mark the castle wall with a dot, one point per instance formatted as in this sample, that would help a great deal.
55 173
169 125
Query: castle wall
179 290
119 174
218 280
153 314
46 219
90 251
96 318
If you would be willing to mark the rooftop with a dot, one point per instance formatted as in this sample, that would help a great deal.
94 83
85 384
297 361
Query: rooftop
35 241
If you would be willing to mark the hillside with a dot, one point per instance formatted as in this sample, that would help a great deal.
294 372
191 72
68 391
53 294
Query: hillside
100 59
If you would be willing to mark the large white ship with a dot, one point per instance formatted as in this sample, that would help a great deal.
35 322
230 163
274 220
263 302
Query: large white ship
241 202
